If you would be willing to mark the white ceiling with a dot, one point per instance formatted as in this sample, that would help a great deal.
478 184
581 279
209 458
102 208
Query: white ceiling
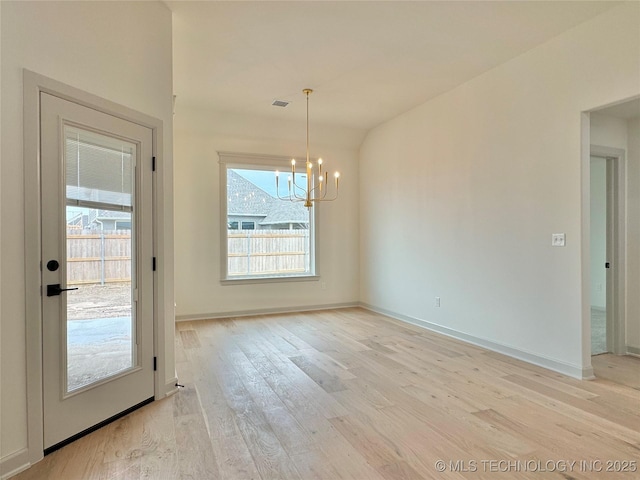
367 61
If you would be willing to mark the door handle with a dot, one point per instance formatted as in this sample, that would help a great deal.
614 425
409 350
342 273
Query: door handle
55 289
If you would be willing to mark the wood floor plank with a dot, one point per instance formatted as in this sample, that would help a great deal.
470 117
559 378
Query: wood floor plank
158 442
291 435
189 339
270 458
399 471
376 450
324 361
623 369
343 457
621 418
367 392
377 346
329 383
296 389
234 459
315 466
195 458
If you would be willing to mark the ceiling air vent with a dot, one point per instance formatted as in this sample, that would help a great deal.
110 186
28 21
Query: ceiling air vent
280 103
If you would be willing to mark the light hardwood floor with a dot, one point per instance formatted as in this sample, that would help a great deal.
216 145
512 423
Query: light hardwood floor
624 369
349 394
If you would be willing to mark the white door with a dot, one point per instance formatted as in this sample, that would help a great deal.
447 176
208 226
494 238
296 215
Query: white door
97 267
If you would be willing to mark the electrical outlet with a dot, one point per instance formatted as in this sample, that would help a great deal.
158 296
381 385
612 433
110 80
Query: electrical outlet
557 239
437 301
323 285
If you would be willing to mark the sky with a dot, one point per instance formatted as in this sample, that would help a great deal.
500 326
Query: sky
266 180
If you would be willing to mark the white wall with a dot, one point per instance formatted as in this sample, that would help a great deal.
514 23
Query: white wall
598 237
633 236
608 131
459 197
199 134
120 51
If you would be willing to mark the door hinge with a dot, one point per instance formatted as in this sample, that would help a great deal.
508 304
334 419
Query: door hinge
153 164
607 265
155 363
154 264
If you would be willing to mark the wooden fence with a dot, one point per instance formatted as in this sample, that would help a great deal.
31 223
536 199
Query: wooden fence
105 256
252 252
98 256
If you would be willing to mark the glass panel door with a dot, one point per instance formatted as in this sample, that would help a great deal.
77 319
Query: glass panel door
100 227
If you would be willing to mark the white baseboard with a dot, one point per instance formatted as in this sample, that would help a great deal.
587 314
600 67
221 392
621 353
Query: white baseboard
14 463
587 373
171 387
263 311
631 350
570 370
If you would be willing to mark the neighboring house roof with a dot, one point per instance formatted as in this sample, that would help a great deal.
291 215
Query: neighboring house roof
246 198
85 218
109 214
77 219
286 212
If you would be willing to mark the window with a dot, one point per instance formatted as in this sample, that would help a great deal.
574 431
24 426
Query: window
123 225
264 237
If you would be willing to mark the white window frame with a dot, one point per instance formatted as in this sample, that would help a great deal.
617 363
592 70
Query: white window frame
260 162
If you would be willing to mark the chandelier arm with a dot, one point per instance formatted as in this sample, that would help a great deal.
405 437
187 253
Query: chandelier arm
278 189
288 197
322 191
324 195
327 199
302 189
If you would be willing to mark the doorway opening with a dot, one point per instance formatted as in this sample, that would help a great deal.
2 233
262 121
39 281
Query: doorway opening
614 242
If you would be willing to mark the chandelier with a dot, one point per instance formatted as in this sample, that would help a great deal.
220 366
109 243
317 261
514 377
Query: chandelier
317 180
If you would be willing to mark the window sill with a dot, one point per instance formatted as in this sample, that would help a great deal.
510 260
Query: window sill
253 280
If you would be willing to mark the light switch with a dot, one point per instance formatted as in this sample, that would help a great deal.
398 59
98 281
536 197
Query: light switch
557 239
